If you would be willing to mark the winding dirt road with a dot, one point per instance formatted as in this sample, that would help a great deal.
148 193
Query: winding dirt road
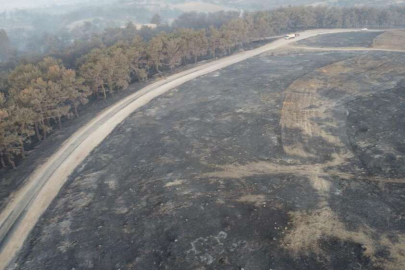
31 201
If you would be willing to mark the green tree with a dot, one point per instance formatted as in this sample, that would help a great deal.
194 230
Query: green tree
72 90
155 52
37 99
22 125
92 71
156 19
198 44
15 129
130 31
137 57
214 41
172 51
73 87
22 77
5 46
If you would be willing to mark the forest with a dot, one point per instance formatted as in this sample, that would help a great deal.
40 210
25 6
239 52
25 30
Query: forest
38 94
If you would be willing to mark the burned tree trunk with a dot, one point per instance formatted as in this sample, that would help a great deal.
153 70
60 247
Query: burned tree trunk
37 131
10 161
3 164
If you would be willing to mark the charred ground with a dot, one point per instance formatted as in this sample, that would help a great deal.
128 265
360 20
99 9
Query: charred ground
286 161
363 39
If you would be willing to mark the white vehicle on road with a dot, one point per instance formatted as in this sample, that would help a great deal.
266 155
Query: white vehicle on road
291 36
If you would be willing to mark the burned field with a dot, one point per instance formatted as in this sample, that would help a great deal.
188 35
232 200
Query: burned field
293 160
362 39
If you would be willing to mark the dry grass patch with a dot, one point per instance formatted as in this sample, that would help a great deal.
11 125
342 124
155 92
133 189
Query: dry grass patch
394 40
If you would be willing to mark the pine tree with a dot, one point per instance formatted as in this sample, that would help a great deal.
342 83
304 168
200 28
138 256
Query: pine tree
172 51
214 41
198 44
12 133
5 46
22 77
92 72
155 52
76 92
136 54
156 19
119 68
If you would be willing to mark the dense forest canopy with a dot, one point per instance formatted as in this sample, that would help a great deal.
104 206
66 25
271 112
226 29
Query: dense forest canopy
38 93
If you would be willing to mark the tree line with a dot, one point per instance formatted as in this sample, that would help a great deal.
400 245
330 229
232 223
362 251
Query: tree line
39 96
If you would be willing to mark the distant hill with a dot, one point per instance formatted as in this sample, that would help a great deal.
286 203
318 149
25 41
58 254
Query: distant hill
260 4
216 5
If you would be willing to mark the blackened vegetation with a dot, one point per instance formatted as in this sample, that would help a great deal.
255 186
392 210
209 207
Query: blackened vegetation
341 40
376 126
346 255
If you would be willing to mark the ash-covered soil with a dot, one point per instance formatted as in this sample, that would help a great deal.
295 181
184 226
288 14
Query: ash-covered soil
267 164
376 126
357 39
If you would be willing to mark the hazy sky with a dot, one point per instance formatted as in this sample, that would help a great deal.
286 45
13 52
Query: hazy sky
11 4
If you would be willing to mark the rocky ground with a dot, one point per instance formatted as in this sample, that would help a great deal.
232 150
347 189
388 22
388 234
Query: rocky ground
293 160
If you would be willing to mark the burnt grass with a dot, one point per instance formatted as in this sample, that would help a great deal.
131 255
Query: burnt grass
359 39
143 199
379 141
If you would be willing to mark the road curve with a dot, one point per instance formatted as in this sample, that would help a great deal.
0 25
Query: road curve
31 201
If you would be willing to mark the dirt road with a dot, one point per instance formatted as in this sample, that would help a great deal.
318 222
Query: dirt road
29 203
